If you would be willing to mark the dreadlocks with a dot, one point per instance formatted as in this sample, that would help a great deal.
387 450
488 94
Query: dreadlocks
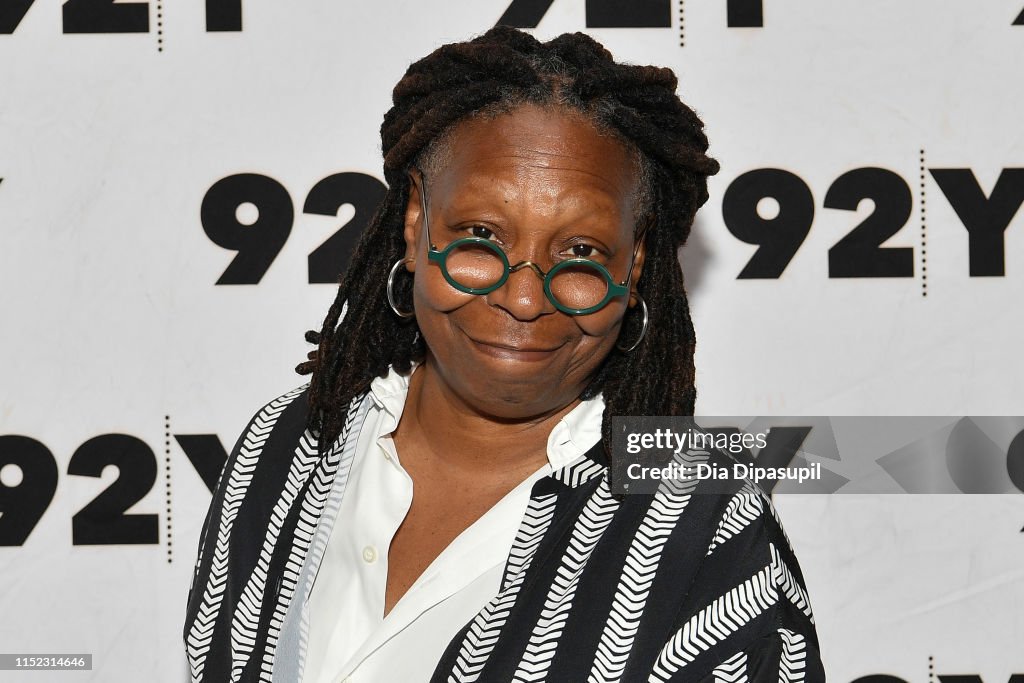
495 73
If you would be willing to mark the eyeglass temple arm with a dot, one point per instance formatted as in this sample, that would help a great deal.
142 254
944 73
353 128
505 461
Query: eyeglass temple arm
421 187
636 250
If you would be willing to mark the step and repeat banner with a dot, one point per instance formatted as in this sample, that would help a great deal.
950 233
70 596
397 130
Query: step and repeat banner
181 182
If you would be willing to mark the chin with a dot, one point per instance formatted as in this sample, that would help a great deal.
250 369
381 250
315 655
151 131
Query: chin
520 398
514 409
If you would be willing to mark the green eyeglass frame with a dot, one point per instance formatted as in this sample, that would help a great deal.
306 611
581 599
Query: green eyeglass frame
440 257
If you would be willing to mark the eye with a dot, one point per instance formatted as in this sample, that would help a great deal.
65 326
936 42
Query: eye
482 232
584 251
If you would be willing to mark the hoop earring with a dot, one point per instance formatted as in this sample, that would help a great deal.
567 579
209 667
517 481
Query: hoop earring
391 285
643 330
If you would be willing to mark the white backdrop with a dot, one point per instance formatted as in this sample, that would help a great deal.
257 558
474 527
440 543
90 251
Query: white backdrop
118 121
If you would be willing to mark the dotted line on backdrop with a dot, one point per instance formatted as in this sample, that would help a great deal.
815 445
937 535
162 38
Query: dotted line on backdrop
924 236
159 26
931 669
682 26
167 481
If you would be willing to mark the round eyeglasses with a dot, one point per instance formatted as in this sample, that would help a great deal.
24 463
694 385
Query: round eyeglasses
474 265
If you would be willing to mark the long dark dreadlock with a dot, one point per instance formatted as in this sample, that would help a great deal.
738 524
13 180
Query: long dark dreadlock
493 73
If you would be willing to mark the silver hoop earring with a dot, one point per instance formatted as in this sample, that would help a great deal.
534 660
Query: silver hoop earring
643 330
391 284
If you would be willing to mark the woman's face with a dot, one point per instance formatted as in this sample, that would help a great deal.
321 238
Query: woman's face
544 185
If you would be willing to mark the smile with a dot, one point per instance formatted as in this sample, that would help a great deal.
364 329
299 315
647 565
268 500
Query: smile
512 352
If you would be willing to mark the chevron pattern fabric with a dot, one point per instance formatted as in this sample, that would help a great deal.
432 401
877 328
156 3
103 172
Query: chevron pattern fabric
732 670
635 583
547 632
484 630
743 510
682 585
792 664
246 619
240 470
311 509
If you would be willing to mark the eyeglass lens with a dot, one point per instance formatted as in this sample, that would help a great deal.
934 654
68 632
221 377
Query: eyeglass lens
577 286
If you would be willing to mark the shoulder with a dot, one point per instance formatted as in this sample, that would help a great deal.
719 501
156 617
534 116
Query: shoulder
273 477
667 586
283 413
238 510
253 468
277 424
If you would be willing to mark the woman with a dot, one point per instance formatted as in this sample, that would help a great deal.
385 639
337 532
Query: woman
436 505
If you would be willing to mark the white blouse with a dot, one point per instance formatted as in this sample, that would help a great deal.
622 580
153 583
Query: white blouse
350 639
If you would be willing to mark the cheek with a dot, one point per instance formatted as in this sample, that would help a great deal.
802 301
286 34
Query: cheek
433 293
604 325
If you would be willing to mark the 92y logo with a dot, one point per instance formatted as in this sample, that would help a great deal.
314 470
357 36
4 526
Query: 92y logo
108 16
942 678
600 13
104 521
859 253
635 14
640 14
30 475
259 243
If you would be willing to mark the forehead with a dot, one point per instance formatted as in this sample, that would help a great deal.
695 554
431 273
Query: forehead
546 150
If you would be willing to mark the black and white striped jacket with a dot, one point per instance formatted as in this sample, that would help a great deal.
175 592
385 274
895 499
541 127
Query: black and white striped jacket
676 586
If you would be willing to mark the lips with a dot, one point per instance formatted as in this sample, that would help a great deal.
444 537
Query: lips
507 351
512 347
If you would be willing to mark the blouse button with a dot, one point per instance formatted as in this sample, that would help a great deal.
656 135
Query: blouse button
369 554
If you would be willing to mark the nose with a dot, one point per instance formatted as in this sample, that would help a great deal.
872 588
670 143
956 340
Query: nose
522 295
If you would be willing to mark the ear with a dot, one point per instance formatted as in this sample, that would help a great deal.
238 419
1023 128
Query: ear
413 219
638 264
